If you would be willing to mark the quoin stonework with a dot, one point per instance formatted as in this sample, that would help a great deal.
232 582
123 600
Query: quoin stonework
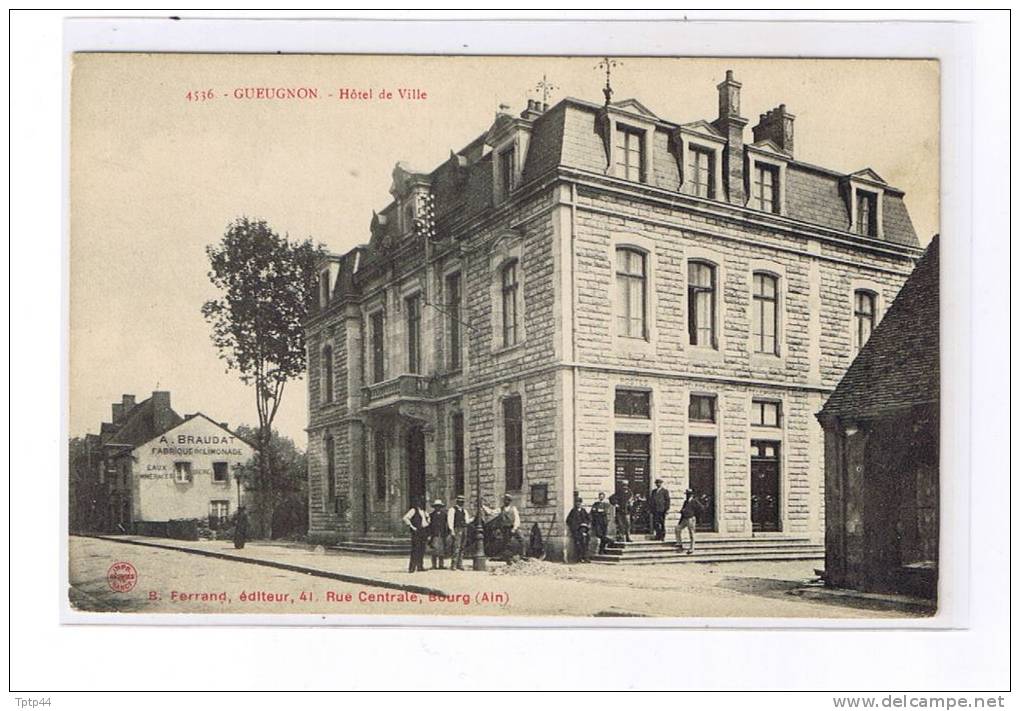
588 294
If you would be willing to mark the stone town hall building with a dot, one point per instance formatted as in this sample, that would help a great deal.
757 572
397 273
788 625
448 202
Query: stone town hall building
606 296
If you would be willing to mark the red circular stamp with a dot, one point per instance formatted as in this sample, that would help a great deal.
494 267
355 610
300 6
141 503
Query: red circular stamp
122 576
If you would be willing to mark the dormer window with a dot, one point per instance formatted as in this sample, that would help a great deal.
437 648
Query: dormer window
409 217
765 188
629 153
506 173
867 213
324 288
700 176
866 190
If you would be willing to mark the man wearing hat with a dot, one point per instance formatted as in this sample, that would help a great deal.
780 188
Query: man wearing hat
659 500
508 519
457 521
438 531
417 520
689 514
579 523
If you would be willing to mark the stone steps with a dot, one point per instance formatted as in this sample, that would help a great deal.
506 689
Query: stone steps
712 550
377 544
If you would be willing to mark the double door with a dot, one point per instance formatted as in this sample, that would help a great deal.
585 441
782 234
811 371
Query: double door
633 468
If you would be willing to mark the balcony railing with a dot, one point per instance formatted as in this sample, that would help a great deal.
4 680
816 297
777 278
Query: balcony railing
403 387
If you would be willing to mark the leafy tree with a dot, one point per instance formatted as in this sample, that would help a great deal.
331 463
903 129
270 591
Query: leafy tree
267 284
280 501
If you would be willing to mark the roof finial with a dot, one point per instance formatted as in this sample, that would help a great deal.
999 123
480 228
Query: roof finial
608 64
545 87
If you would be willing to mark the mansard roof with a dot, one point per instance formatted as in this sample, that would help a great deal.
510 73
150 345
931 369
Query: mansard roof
567 135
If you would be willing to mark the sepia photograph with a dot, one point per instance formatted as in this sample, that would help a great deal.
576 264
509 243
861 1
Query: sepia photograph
506 337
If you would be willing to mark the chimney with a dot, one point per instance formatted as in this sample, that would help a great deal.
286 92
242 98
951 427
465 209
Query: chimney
128 401
777 126
162 415
118 412
731 125
535 109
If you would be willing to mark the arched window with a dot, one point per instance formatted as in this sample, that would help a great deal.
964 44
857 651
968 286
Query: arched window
327 374
765 314
510 286
701 303
864 317
630 293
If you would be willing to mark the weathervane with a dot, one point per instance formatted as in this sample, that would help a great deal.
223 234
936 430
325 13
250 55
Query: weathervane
546 88
608 64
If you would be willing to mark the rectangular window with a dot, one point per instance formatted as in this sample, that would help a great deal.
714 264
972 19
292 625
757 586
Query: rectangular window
453 324
220 472
379 442
700 172
864 317
330 470
701 408
378 348
633 403
327 374
507 173
764 317
766 413
457 425
629 153
867 213
412 307
701 304
765 191
219 513
630 293
509 290
513 443
182 472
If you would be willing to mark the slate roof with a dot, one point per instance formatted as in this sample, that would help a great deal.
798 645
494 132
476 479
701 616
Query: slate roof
139 425
567 135
899 365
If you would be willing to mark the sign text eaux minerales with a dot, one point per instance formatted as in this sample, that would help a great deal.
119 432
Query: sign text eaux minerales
192 445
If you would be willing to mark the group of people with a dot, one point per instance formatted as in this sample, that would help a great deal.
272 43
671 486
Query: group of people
582 523
443 531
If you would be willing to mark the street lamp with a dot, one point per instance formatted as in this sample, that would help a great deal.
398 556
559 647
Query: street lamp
479 561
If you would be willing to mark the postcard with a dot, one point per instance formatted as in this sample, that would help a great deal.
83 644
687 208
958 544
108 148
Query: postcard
509 337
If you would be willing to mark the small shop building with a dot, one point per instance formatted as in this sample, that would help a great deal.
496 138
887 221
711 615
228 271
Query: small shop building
150 466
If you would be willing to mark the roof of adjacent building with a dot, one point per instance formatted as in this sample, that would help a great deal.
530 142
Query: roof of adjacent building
214 423
898 367
140 424
567 135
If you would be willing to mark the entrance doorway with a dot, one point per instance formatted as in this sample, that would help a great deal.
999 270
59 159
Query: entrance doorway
701 467
416 466
633 467
765 486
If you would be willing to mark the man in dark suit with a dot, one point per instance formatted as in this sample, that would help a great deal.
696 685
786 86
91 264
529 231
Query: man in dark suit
659 501
579 523
622 501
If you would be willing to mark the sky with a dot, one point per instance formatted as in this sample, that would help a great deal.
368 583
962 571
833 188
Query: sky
156 177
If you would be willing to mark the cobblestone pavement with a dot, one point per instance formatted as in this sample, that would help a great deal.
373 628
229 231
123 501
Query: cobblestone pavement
544 589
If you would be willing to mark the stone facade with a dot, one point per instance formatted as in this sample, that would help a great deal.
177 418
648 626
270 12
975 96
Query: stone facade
558 195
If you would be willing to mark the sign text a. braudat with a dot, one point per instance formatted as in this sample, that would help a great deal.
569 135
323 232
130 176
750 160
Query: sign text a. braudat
212 444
